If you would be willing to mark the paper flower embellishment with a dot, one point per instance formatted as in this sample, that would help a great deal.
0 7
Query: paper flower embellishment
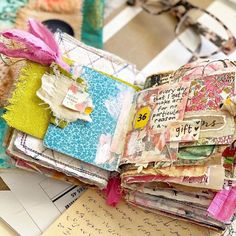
38 45
68 99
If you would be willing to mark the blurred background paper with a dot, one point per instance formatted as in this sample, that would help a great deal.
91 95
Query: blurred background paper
90 216
40 200
6 230
12 212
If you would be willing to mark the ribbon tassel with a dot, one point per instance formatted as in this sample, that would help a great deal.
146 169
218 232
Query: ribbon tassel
38 45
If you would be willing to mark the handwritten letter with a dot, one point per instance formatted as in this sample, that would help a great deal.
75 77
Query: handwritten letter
90 216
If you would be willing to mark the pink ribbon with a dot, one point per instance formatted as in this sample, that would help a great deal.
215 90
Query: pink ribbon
113 191
38 45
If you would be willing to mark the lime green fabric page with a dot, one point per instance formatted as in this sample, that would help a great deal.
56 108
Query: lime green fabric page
26 111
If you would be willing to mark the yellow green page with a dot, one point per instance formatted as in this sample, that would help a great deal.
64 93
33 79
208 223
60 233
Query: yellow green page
26 111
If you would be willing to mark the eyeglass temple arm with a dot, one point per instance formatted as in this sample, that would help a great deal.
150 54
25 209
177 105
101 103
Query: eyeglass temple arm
131 2
206 32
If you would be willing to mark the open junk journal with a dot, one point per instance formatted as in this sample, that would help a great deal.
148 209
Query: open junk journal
81 112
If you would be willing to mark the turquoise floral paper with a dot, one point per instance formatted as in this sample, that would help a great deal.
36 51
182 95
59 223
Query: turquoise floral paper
91 141
8 10
4 159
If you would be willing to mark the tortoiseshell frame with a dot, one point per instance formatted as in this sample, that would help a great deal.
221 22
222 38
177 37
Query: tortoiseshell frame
180 10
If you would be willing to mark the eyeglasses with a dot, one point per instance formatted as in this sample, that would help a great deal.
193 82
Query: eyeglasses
195 32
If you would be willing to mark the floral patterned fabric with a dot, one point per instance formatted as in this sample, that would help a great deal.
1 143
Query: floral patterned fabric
8 10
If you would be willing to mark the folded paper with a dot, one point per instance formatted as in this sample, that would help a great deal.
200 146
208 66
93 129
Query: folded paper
206 92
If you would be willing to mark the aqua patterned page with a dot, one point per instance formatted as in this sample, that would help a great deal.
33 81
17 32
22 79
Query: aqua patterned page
91 141
8 10
4 158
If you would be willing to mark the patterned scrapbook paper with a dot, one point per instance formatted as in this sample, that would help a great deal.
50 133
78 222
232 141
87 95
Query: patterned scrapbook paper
4 159
200 197
8 10
51 173
154 109
92 26
223 206
91 141
199 153
207 93
24 98
176 208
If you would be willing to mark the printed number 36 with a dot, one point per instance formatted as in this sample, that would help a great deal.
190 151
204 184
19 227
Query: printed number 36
142 117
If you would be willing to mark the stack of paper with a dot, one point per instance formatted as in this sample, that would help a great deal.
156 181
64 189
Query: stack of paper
179 153
79 157
82 117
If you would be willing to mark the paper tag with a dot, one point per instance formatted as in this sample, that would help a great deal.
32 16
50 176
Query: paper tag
75 99
184 131
142 117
